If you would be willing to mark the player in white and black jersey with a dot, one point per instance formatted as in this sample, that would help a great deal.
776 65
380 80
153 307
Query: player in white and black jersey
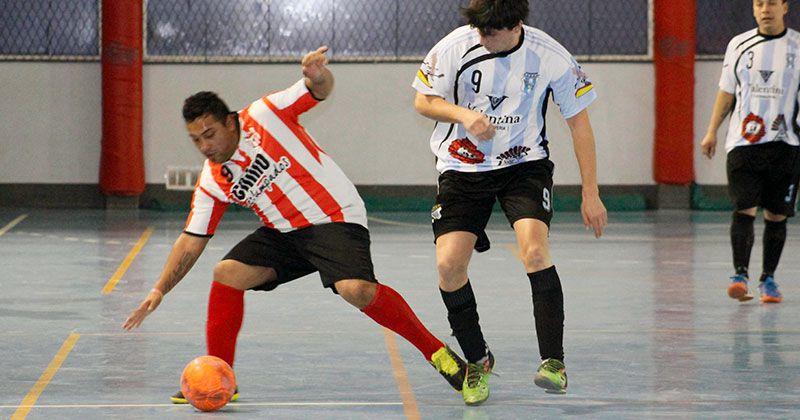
487 85
759 89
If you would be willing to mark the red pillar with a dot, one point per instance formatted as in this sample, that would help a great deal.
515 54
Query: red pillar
674 51
122 157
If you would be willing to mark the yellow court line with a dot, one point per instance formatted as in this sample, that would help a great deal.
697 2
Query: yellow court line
11 224
112 282
401 377
30 400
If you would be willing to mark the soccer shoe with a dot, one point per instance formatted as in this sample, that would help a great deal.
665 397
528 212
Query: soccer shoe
552 376
769 291
738 288
476 382
451 366
178 397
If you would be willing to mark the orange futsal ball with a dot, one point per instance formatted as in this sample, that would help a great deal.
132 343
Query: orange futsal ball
208 383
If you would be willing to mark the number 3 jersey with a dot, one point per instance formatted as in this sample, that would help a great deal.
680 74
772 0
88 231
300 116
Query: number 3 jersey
278 171
511 88
763 74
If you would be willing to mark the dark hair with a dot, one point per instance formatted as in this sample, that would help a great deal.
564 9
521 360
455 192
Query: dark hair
202 103
495 14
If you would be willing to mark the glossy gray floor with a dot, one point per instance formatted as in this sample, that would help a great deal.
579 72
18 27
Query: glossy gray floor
650 331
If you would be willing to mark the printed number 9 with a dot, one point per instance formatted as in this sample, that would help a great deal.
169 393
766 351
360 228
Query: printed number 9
546 199
476 80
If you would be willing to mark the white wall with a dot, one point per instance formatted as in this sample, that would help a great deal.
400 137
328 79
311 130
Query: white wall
708 172
51 120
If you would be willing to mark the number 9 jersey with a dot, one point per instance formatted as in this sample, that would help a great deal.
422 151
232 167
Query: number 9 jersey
511 88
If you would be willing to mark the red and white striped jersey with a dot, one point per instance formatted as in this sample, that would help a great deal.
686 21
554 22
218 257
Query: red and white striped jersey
278 171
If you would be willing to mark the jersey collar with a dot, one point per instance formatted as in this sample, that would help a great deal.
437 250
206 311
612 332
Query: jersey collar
516 47
765 36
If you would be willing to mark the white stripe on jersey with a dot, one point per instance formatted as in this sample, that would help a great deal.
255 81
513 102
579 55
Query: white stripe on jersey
763 74
510 88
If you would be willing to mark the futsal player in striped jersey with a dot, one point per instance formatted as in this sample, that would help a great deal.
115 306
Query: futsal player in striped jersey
488 85
314 220
758 88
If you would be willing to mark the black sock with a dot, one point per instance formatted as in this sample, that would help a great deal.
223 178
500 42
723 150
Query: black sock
741 241
548 312
774 239
462 312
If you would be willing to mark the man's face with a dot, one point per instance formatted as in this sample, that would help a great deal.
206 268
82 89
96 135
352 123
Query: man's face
499 40
769 15
213 138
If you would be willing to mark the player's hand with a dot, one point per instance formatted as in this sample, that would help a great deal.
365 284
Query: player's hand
148 305
709 145
594 214
314 64
478 125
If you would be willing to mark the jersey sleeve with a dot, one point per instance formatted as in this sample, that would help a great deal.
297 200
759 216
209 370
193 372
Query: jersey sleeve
294 100
437 73
207 207
727 80
572 89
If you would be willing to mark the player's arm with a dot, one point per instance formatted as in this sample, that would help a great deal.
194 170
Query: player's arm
722 107
318 77
436 108
592 208
184 254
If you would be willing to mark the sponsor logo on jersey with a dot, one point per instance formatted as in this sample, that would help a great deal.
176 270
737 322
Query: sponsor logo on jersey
753 129
765 91
529 82
779 125
498 120
582 83
496 100
513 155
427 71
257 178
466 151
765 75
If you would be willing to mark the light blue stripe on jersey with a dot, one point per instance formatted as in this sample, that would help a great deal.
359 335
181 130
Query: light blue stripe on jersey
502 69
767 55
526 107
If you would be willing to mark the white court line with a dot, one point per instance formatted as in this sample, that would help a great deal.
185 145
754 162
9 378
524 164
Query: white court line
236 404
12 223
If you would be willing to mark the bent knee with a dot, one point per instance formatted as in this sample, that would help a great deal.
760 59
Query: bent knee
359 293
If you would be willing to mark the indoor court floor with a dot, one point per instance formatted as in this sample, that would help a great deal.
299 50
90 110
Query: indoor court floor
650 331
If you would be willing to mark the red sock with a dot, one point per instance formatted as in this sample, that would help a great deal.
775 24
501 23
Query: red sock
390 310
225 313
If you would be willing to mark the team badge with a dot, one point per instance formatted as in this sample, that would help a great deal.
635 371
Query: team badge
529 82
436 212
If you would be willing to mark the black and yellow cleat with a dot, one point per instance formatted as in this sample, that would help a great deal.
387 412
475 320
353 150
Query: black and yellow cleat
450 366
178 397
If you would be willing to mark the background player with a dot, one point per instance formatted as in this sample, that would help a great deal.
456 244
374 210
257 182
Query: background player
314 220
488 85
759 88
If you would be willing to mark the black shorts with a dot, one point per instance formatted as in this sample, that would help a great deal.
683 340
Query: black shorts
465 199
338 251
764 176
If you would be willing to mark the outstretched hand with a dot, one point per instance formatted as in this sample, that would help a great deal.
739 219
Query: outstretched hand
314 64
148 305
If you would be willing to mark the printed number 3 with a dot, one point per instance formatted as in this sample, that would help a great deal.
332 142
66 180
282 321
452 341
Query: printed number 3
546 199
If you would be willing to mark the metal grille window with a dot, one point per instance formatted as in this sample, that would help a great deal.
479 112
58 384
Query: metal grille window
720 20
33 29
283 30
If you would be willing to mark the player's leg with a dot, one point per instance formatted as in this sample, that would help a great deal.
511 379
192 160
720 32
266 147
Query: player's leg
744 188
341 253
780 194
463 207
